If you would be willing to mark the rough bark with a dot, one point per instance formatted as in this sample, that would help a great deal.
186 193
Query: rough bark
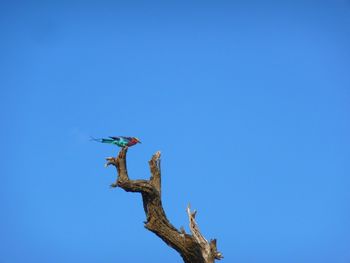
193 248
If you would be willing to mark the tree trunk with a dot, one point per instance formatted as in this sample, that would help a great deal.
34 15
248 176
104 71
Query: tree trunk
193 248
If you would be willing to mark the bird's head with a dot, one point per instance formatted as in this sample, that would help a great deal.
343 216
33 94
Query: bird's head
136 140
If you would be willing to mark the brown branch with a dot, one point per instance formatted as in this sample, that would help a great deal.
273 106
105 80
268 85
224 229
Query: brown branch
208 249
154 165
192 248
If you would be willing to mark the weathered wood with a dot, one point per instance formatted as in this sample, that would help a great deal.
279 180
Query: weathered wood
193 248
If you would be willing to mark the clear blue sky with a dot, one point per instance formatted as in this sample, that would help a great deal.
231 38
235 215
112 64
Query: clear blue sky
248 102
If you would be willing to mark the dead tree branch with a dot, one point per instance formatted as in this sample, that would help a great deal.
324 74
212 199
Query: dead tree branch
193 248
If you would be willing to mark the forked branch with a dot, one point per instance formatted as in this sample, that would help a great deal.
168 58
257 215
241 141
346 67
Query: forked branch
193 248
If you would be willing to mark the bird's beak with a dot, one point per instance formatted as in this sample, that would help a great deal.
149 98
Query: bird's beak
139 142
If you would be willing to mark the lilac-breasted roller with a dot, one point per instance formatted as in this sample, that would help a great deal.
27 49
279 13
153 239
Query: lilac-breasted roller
121 141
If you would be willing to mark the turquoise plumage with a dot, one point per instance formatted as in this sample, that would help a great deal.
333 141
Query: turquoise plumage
121 141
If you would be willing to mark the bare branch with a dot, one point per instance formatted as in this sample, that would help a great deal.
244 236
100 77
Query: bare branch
154 165
192 248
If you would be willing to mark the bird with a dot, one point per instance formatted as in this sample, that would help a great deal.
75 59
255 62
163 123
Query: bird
121 141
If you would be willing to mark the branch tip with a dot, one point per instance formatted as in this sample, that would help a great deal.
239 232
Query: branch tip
182 230
110 161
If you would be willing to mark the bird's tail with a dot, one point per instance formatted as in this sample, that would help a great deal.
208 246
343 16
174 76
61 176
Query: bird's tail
102 140
95 139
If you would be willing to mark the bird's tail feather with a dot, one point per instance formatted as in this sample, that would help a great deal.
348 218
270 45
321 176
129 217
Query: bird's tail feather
95 139
102 140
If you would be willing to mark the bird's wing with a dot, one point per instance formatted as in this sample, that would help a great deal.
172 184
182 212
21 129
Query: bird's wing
116 138
123 138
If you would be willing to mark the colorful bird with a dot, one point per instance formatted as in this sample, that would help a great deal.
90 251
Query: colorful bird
120 141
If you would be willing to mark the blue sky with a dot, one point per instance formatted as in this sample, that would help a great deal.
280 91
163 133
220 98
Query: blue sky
247 100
